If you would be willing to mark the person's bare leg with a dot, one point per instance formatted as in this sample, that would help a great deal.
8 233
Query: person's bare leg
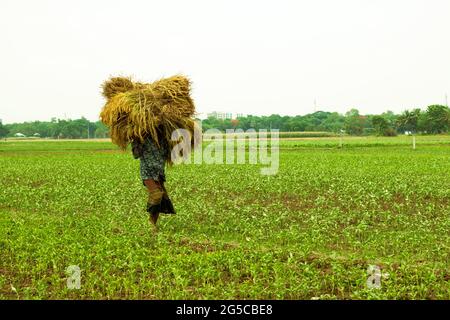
152 184
155 197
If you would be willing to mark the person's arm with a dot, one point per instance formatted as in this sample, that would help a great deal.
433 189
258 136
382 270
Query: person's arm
137 149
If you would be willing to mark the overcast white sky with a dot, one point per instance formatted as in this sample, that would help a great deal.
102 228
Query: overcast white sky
255 57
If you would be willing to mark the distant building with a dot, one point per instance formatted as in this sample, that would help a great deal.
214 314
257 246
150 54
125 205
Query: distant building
212 115
223 115
220 115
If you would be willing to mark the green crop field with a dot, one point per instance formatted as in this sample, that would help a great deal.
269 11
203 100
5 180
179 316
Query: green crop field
310 232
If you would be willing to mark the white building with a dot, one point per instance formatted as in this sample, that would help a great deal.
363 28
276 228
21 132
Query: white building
224 115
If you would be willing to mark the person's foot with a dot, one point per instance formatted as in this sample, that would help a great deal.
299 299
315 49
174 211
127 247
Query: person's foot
154 218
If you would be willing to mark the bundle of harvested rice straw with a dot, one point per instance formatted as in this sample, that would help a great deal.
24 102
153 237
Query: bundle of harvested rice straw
135 110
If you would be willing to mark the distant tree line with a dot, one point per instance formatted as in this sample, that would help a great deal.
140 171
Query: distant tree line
57 128
434 120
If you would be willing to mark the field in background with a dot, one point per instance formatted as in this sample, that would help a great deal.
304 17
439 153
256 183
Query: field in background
311 231
324 137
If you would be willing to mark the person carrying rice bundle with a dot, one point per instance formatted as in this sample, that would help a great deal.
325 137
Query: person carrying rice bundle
145 116
152 164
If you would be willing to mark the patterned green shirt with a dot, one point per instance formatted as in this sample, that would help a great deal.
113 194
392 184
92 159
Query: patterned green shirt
153 160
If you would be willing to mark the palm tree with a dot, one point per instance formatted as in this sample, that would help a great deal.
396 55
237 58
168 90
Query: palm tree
408 121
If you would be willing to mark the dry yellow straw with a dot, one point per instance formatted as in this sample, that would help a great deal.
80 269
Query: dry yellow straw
136 110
